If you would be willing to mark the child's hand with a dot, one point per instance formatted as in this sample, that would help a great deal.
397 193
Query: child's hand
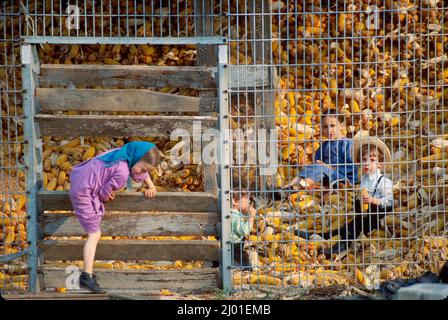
366 198
324 164
111 197
151 192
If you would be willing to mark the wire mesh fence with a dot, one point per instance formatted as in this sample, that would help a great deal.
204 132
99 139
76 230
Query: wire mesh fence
381 65
13 222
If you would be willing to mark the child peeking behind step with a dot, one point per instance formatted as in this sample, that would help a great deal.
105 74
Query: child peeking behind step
93 183
242 215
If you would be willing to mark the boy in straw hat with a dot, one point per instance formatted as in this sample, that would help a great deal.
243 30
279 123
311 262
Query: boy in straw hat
376 190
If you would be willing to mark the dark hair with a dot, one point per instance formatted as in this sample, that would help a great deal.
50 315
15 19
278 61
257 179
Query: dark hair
152 157
239 194
372 149
333 113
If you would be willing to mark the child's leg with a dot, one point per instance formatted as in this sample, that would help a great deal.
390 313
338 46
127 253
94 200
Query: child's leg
89 250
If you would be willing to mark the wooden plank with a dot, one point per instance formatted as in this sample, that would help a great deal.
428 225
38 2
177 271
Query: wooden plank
127 76
136 100
168 250
133 224
55 296
175 280
136 201
118 126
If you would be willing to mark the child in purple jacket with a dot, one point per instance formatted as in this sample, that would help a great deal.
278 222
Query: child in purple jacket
93 183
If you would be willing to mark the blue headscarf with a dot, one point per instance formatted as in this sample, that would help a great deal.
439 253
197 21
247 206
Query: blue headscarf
132 152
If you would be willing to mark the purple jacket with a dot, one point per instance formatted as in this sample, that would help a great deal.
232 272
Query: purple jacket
91 184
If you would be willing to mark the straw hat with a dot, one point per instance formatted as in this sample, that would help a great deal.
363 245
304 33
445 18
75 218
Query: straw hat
363 138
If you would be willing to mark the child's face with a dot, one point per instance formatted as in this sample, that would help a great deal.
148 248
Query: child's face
141 167
370 163
241 203
331 128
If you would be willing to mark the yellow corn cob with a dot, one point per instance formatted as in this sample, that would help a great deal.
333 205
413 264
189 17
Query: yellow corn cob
309 117
61 159
435 157
10 236
116 48
132 50
47 165
20 201
291 99
111 61
264 279
102 50
71 150
438 242
54 171
88 154
52 184
47 48
73 51
355 106
333 86
149 51
285 267
46 154
72 143
62 177
365 206
45 179
66 166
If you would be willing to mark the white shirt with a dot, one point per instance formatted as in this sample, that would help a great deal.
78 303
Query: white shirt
384 190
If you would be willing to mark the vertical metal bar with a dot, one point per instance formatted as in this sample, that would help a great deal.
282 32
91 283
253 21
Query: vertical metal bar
30 138
224 162
206 56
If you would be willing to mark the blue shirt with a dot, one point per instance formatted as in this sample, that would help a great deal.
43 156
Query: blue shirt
338 154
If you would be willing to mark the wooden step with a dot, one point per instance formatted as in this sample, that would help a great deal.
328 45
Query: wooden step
131 224
137 201
176 280
135 100
127 76
163 250
119 125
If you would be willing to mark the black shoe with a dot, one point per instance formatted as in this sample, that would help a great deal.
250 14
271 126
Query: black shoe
337 248
89 283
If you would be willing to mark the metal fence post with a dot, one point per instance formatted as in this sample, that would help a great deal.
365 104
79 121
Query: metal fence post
28 81
224 162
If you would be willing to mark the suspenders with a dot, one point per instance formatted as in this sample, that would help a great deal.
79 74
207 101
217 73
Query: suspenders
377 183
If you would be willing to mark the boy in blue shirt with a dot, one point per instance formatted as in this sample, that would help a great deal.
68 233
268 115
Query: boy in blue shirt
334 157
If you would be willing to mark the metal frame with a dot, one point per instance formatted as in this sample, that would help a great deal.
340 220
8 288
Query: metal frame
29 80
30 70
224 162
124 40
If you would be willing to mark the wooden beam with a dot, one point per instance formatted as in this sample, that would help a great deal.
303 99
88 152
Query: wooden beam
131 224
175 280
118 126
55 296
168 250
136 201
136 100
127 76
